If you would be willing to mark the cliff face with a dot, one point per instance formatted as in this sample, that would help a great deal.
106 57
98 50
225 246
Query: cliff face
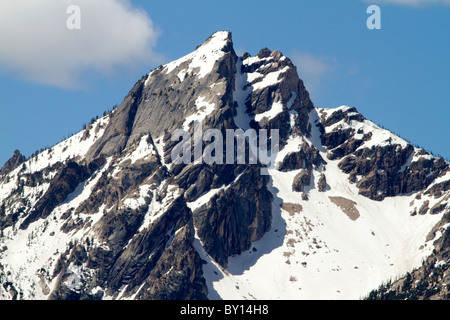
107 214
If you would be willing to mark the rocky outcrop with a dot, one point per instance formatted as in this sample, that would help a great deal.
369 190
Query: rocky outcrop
60 187
438 189
382 175
117 133
236 216
308 157
16 160
322 183
306 160
380 170
301 180
178 274
158 263
288 91
164 247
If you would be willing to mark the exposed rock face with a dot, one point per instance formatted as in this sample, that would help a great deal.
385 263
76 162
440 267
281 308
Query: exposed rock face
236 216
382 169
178 273
13 162
306 160
289 92
308 157
116 136
301 180
322 183
60 187
168 95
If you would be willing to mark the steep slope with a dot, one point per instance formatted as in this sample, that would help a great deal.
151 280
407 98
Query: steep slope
107 214
431 281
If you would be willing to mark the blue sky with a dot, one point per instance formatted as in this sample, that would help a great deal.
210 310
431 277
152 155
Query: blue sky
52 80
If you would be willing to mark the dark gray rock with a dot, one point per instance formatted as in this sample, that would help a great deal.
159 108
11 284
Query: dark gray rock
301 180
322 183
16 160
235 217
308 157
384 171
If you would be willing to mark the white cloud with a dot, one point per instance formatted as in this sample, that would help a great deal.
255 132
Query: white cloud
37 45
411 2
312 69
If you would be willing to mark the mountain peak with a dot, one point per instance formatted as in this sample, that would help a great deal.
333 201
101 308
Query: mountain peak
205 55
110 214
157 98
218 40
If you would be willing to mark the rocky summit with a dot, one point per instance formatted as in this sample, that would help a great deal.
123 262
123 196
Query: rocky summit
345 207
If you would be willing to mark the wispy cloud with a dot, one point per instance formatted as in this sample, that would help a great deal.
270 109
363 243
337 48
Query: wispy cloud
415 3
312 69
37 46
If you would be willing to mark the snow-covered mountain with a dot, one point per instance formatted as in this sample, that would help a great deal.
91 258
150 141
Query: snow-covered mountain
106 214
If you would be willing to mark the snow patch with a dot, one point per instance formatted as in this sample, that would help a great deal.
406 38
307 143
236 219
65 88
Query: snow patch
268 80
204 109
143 150
204 58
